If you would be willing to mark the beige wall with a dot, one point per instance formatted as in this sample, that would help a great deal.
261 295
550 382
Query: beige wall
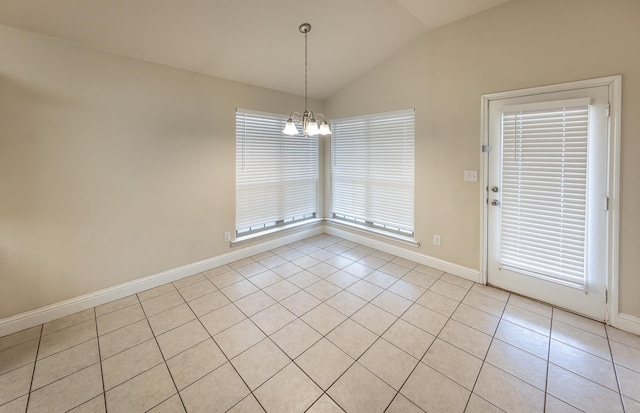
111 169
520 44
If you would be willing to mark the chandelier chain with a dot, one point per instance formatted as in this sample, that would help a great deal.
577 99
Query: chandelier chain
305 71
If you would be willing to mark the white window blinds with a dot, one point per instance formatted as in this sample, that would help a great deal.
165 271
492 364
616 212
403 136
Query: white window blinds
544 189
276 174
373 170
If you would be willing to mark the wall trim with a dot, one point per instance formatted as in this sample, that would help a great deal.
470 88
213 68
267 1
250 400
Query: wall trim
442 265
51 312
615 139
627 323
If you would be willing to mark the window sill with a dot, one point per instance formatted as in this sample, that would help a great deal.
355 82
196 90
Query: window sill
273 231
381 233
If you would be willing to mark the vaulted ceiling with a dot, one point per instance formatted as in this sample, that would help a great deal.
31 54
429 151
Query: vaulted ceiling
251 41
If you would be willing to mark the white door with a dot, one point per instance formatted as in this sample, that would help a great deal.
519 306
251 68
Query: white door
547 212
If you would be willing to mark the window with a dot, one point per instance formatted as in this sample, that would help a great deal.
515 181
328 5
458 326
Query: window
276 174
372 161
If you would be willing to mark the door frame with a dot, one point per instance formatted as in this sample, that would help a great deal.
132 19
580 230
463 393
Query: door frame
614 83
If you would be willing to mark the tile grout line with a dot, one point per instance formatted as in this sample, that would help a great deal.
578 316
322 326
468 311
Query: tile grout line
615 371
300 318
104 390
58 379
548 359
589 353
252 392
222 352
166 309
97 337
163 360
578 327
584 377
70 347
93 364
546 381
128 348
349 318
342 289
22 342
380 337
413 302
126 325
371 302
111 312
549 363
330 398
98 344
410 373
34 368
436 336
484 359
292 361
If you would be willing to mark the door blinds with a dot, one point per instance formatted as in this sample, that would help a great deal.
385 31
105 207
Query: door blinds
373 170
276 174
544 190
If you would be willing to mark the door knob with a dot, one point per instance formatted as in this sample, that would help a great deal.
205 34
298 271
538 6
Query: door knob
494 189
495 202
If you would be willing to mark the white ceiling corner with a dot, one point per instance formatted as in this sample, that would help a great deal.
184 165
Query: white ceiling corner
436 13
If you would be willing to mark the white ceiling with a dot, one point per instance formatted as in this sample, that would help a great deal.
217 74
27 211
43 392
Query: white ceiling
251 41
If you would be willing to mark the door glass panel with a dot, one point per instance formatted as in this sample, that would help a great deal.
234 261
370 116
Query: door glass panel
544 192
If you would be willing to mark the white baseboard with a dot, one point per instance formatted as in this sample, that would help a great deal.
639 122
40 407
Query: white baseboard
442 265
628 323
51 312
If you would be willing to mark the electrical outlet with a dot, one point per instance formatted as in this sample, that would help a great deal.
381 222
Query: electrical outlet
436 240
471 176
227 236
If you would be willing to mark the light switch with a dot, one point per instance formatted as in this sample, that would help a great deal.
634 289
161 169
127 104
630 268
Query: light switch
471 176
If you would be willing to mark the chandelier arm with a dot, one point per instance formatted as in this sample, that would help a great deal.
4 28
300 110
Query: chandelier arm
295 117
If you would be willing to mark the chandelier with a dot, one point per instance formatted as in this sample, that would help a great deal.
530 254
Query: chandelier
307 120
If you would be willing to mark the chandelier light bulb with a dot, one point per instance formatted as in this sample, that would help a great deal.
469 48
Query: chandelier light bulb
290 128
324 128
312 128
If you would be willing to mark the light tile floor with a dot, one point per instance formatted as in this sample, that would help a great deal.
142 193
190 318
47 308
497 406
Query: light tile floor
321 325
